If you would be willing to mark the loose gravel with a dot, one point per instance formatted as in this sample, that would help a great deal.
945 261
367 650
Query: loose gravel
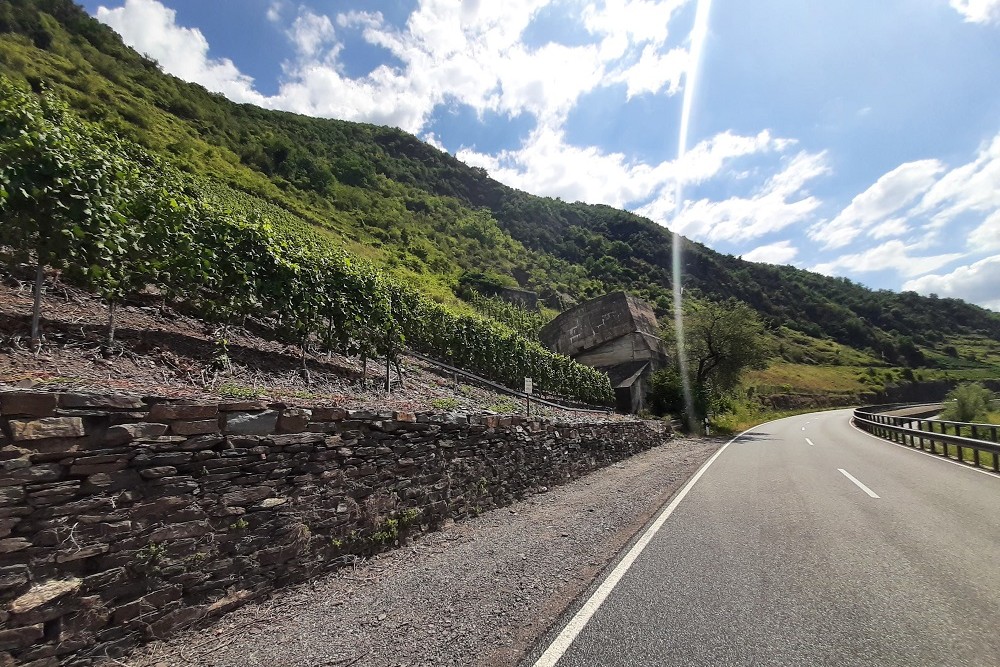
479 592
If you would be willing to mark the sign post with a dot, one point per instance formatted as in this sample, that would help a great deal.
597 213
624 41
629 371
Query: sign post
528 388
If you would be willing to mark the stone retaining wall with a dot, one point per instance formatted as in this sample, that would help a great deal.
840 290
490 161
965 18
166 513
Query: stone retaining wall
123 518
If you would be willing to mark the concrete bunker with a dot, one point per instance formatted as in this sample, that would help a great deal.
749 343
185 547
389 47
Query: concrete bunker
616 333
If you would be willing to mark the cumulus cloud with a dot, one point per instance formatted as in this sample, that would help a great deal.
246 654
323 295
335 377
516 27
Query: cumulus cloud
781 252
782 201
976 283
890 193
895 255
468 52
150 28
978 11
546 164
312 35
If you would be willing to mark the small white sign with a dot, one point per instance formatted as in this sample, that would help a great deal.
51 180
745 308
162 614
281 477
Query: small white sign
528 386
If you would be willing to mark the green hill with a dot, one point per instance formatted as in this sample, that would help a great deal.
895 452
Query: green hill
427 218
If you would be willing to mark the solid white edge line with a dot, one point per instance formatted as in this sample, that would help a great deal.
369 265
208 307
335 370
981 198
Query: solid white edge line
860 485
936 457
562 642
810 442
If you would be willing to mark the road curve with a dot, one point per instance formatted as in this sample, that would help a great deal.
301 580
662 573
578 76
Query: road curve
807 542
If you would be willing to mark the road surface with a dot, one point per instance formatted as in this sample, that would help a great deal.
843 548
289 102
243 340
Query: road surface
805 542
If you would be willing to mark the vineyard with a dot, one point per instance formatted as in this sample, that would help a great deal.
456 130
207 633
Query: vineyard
117 219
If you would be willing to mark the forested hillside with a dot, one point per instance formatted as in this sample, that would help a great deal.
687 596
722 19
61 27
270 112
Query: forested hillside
428 218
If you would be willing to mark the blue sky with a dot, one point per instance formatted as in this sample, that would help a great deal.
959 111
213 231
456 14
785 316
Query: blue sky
853 138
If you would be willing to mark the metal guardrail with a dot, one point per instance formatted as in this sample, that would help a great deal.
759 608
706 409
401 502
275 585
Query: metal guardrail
901 429
505 390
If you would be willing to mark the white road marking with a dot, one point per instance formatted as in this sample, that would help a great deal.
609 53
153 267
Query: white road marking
938 457
860 485
810 442
562 642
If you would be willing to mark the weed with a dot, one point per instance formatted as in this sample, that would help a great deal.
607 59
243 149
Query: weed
234 390
239 524
444 403
151 554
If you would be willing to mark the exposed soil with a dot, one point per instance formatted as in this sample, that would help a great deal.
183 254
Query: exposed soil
166 353
478 593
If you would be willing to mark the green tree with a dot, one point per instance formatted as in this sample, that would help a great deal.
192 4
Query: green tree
59 181
723 340
968 402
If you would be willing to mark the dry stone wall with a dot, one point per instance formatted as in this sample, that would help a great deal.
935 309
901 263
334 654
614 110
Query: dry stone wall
123 518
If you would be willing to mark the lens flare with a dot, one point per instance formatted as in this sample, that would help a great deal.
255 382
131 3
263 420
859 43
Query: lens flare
698 34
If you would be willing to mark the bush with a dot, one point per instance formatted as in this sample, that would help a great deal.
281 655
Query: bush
968 403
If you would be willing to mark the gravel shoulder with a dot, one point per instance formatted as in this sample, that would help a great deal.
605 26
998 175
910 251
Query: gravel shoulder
479 592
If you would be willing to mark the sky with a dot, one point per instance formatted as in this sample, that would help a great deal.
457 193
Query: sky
852 138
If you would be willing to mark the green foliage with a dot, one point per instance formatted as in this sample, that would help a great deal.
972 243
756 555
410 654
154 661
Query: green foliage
525 322
723 341
418 213
140 223
444 403
969 402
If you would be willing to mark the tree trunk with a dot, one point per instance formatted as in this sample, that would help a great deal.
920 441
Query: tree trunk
112 310
36 309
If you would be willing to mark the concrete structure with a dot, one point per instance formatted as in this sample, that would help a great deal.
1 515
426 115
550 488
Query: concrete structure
616 333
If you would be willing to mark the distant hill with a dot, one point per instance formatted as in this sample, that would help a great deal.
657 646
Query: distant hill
427 217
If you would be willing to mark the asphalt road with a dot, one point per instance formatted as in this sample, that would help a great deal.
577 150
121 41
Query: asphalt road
776 557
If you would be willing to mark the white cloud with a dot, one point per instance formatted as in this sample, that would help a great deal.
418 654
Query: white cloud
889 228
976 283
781 252
274 11
546 164
986 236
312 35
447 52
653 71
150 28
894 255
969 188
978 11
890 193
779 203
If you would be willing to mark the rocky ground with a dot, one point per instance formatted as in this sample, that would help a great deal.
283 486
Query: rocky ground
163 352
479 592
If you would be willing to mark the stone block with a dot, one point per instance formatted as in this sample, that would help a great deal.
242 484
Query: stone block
157 472
147 604
247 496
179 531
13 576
242 406
16 638
124 433
293 420
329 414
12 544
196 427
110 401
251 423
172 411
71 555
43 593
34 403
46 427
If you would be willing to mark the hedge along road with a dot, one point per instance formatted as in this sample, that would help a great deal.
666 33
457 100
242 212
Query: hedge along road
805 542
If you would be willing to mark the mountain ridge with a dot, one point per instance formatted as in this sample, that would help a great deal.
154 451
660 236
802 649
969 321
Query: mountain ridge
428 217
